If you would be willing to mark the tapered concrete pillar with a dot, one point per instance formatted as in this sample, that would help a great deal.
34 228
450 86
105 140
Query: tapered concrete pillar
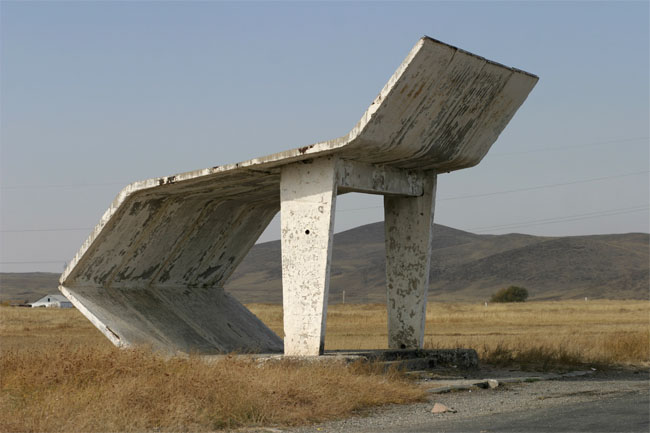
308 197
409 230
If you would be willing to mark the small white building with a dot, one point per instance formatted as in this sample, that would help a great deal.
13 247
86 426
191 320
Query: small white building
52 301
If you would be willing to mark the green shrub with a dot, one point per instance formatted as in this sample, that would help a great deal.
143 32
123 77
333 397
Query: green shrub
511 294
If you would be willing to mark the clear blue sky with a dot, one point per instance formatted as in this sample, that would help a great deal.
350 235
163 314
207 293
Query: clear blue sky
95 95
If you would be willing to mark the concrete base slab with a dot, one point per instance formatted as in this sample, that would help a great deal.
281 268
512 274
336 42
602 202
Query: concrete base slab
406 360
424 359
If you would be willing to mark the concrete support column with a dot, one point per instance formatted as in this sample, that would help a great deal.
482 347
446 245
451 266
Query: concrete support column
308 198
409 230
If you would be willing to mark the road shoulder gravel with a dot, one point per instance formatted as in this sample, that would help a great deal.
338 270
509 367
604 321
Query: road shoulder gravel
517 393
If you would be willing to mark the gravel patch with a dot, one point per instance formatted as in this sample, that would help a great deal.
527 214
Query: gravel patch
512 395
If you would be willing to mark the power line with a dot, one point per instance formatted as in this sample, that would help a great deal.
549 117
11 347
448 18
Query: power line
70 185
531 188
574 146
32 262
46 230
552 185
567 218
540 149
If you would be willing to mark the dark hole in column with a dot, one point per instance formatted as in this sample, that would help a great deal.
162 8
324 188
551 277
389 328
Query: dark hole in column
307 231
402 346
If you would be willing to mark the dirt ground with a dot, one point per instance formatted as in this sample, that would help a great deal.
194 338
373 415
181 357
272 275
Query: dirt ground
612 400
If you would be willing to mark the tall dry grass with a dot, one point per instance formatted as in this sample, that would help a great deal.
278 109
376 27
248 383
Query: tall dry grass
46 329
59 374
548 333
85 389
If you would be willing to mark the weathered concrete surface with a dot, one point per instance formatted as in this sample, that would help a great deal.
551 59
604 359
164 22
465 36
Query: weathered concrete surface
203 320
308 197
308 194
153 269
409 229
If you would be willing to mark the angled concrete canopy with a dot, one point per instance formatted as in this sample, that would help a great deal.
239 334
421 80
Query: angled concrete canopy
153 269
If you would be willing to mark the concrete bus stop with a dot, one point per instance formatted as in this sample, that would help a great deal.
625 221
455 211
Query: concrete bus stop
153 269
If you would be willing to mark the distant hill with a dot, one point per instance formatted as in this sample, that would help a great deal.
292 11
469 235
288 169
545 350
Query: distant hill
27 286
469 267
464 267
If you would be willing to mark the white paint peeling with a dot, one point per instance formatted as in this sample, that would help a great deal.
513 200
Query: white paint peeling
308 197
373 179
408 223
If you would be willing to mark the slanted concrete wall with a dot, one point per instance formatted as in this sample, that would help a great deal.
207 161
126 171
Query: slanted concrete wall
175 319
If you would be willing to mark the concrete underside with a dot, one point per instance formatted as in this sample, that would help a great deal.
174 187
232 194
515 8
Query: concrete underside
153 269
205 320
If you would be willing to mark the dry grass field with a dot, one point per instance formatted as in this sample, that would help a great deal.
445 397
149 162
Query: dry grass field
58 373
556 332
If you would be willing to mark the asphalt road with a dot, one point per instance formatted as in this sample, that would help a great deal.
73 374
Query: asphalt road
622 413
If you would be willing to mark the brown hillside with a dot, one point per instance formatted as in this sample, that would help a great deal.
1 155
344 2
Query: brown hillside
470 267
464 267
27 286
